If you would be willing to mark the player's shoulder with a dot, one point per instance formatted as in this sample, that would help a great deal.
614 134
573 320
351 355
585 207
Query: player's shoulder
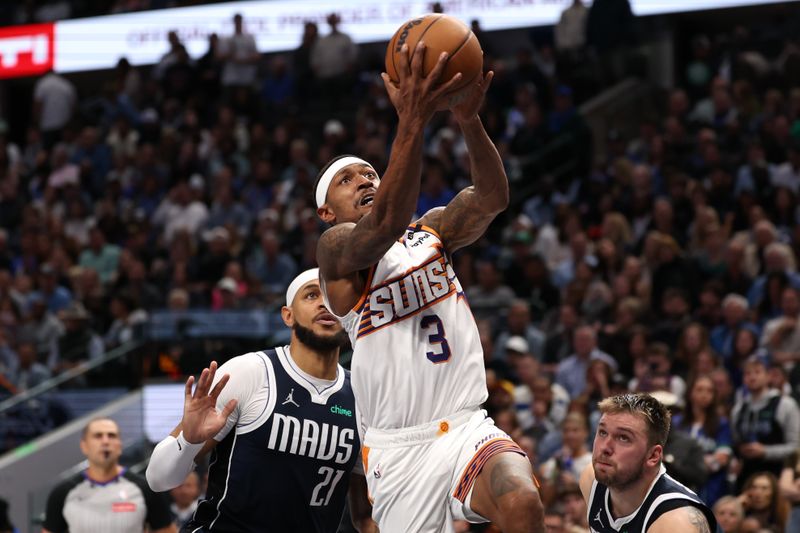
247 362
429 222
687 518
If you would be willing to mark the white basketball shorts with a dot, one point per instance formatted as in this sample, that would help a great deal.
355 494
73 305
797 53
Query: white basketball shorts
420 479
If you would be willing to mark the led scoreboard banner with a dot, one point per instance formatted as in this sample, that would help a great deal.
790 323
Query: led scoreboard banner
99 42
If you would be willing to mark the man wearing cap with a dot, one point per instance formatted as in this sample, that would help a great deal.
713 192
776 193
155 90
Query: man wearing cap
282 428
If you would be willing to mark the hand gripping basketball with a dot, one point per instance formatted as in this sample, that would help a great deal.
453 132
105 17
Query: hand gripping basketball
415 95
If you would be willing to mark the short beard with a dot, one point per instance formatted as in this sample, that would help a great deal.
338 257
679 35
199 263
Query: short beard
617 482
319 343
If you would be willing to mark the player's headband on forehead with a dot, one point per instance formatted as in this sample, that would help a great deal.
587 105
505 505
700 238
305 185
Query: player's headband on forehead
298 282
332 170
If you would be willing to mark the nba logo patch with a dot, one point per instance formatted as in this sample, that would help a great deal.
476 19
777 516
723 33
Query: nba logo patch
377 472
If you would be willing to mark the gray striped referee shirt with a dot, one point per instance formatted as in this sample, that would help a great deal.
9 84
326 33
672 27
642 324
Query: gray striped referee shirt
122 505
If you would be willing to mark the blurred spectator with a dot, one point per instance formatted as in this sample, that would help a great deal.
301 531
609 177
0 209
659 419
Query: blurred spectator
54 102
489 297
185 498
572 371
301 61
570 32
536 386
566 466
55 295
762 501
765 424
518 321
729 513
782 334
701 420
734 315
100 256
29 371
333 60
180 211
654 372
128 319
239 56
271 267
79 343
42 328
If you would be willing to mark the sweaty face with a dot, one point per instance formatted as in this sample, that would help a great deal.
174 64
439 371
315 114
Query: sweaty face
620 451
102 445
311 320
350 194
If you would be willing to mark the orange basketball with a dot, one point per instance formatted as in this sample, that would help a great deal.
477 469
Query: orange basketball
440 33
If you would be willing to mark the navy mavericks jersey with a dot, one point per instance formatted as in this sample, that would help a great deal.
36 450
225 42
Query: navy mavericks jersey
289 470
665 495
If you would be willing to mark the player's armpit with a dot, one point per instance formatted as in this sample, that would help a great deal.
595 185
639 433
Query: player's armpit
463 221
687 519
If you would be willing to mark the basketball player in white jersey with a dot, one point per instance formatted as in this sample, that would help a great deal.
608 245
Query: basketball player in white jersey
431 455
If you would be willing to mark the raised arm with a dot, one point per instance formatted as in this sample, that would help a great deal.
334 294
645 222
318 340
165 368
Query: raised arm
348 248
174 457
469 214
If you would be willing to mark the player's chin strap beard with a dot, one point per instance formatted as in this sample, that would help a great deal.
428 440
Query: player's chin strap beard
318 342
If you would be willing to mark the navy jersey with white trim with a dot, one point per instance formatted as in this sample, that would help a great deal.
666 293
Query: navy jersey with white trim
289 469
665 495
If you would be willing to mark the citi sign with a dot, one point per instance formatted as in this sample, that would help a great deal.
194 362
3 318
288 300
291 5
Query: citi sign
26 50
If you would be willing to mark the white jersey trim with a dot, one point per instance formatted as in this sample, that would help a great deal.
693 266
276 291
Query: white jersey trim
664 498
317 396
227 481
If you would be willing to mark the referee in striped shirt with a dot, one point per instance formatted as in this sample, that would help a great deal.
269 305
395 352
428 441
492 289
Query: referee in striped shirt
105 497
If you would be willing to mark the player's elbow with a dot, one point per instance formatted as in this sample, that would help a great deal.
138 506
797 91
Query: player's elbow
157 482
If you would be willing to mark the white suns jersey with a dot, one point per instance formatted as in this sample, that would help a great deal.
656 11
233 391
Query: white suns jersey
417 355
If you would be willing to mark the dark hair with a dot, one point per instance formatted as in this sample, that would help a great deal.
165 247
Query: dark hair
653 412
711 424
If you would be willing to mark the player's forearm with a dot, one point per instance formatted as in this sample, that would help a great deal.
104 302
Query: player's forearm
396 199
170 463
488 175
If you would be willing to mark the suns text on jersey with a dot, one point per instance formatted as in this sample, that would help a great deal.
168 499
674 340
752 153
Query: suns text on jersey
404 296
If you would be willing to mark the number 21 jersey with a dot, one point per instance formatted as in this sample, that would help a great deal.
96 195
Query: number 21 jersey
417 355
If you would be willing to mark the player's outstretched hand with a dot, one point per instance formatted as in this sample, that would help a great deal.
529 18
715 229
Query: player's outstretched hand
201 420
466 104
415 95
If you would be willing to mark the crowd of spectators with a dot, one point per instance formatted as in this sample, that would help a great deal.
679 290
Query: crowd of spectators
668 267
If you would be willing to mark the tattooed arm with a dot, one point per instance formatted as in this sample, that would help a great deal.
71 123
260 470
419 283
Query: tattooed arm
469 214
687 519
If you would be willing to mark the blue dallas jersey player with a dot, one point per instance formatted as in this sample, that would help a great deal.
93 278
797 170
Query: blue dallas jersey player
626 487
282 427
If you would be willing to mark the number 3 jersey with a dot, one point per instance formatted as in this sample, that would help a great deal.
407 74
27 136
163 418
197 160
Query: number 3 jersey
417 356
283 461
